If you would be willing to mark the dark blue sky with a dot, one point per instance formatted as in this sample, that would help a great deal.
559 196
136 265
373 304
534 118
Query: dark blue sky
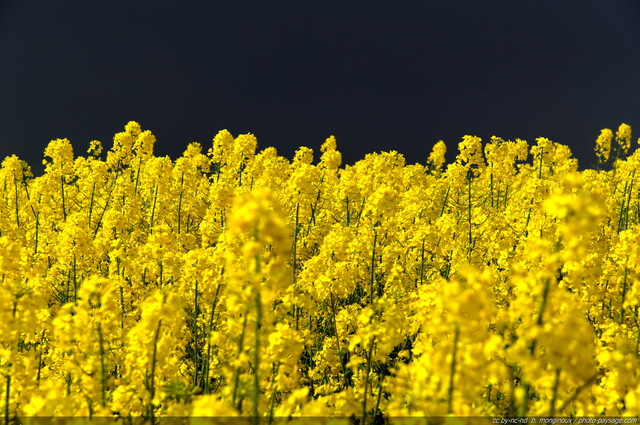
377 75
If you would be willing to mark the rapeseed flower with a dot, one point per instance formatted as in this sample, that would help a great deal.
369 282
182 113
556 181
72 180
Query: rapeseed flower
242 283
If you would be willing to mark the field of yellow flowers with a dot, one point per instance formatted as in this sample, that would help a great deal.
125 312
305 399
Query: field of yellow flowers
236 282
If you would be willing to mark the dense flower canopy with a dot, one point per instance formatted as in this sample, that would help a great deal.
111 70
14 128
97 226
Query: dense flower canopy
236 282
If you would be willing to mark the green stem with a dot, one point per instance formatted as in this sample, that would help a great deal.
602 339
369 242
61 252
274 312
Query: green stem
106 205
373 263
209 330
540 167
622 207
15 185
75 279
40 358
93 192
377 408
543 304
64 208
6 400
122 306
153 207
444 202
366 379
256 360
272 398
67 289
506 192
624 294
138 175
359 214
452 370
626 211
347 208
36 216
491 189
152 386
616 158
103 371
180 201
295 242
469 177
552 403
236 378
422 263
578 390
296 311
195 336
314 207
637 341
335 325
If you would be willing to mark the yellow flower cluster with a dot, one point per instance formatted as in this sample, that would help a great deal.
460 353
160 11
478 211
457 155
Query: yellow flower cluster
237 282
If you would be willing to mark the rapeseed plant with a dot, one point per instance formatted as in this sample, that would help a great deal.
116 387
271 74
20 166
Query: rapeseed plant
236 282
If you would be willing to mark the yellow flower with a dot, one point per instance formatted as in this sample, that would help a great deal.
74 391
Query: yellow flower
95 148
603 144
623 137
436 157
